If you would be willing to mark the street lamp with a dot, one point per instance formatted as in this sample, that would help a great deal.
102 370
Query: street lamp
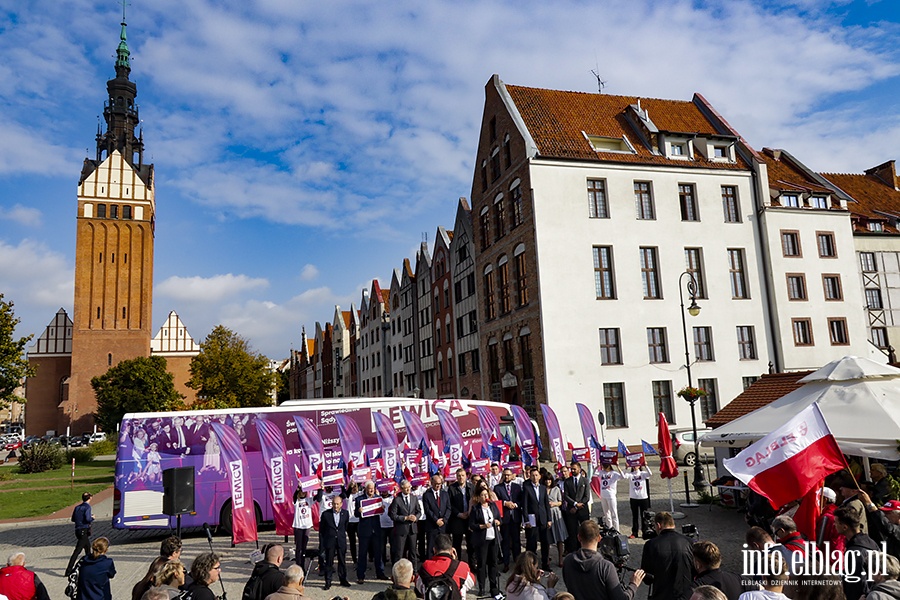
694 310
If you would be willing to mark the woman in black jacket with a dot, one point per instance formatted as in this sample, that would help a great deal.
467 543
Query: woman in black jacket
205 570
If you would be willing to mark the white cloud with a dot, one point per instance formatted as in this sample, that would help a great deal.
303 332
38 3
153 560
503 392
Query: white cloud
23 215
208 290
308 272
32 273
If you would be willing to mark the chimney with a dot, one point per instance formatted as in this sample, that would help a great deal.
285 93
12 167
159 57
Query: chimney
886 173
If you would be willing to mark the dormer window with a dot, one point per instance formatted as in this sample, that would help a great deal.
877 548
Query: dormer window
792 200
610 144
677 149
875 226
818 202
720 152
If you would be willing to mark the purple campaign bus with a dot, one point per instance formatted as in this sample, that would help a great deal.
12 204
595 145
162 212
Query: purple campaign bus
149 443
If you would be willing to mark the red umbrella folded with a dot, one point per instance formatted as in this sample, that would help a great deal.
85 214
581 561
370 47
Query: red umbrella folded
668 469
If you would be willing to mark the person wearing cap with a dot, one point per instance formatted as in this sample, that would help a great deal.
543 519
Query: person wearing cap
825 529
848 493
880 490
885 522
82 518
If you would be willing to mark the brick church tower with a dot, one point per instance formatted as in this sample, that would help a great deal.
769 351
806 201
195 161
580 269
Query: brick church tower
114 251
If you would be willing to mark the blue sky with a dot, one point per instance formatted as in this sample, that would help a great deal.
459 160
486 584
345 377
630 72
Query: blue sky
302 148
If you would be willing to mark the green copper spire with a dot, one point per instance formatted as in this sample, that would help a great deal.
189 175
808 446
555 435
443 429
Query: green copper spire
122 52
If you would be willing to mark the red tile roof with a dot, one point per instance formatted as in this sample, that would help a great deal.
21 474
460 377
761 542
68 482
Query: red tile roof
768 388
556 120
874 197
784 176
346 314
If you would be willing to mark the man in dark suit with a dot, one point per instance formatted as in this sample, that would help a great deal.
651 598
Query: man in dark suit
180 436
536 516
371 538
460 495
510 493
403 512
333 540
484 523
436 502
576 495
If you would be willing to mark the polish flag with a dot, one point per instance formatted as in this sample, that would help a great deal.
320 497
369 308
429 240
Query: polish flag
786 464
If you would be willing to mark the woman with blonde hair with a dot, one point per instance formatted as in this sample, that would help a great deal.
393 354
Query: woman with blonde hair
168 579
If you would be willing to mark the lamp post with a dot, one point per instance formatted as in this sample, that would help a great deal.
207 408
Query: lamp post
694 310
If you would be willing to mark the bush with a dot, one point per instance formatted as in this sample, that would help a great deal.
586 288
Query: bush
104 448
40 458
81 455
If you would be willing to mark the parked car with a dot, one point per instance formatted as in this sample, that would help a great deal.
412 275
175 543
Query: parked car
13 446
98 436
685 451
76 441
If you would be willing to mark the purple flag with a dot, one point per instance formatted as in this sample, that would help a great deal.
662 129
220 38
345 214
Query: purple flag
490 428
415 430
554 433
271 443
387 439
243 513
352 447
524 432
589 431
453 443
311 445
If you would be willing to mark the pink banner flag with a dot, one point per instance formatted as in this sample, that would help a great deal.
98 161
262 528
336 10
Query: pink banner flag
490 429
387 439
311 445
453 442
353 449
310 483
243 514
554 433
790 461
369 507
271 443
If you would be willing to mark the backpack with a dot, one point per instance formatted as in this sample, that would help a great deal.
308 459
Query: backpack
442 586
253 587
72 580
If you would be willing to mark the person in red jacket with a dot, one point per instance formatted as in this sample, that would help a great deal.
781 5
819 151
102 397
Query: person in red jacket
825 529
18 583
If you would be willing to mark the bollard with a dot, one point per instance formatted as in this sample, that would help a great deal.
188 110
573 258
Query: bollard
687 490
73 474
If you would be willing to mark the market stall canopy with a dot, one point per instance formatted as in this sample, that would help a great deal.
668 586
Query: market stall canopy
859 398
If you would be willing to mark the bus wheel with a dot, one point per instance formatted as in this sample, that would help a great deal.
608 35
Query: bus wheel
225 517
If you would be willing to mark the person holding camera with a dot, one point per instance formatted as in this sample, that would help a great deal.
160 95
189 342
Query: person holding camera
669 559
525 581
589 576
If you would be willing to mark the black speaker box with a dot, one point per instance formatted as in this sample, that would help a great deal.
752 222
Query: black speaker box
178 491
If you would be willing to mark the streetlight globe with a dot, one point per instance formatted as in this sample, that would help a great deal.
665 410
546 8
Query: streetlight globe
693 309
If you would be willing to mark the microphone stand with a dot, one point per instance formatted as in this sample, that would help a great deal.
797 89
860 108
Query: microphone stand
209 541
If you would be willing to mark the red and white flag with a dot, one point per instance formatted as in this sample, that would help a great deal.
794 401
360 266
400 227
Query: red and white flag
786 464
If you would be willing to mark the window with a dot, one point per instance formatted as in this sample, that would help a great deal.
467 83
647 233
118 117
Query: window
748 381
597 204
494 362
473 321
485 226
516 204
604 281
126 212
873 299
614 403
610 352
746 342
730 204
459 328
790 243
507 152
489 295
867 262
101 211
837 332
796 286
792 200
818 202
825 242
476 360
875 226
509 360
880 337
736 272
643 200
802 332
709 404
703 345
521 278
499 218
693 260
677 149
504 286
687 197
461 367
832 285
495 164
525 351
662 400
650 273
657 344
720 152
113 211
484 182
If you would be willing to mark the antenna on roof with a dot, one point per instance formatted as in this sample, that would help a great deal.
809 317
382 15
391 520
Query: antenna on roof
600 83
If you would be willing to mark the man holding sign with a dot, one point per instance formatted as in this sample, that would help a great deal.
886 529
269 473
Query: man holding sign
371 539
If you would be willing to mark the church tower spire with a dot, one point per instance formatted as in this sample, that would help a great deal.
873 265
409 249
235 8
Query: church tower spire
114 245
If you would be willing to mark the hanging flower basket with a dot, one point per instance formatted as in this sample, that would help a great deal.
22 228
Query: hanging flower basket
692 393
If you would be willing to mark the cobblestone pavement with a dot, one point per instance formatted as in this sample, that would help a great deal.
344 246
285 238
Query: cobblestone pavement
49 543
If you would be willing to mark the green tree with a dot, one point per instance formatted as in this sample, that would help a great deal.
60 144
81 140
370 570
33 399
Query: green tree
137 385
228 374
14 367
